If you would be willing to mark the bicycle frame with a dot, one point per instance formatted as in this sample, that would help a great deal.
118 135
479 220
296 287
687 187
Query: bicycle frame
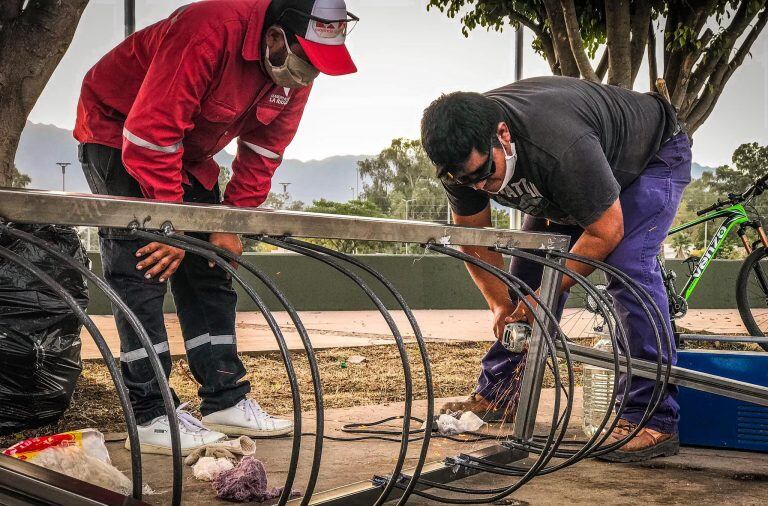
734 215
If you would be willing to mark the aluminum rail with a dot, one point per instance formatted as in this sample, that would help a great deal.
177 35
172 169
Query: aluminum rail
365 492
75 209
25 483
723 339
718 385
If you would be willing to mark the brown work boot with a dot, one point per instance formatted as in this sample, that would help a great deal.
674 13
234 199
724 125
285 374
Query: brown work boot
488 411
647 444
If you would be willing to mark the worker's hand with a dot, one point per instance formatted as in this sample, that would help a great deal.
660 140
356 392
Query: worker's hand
229 242
160 260
522 313
500 314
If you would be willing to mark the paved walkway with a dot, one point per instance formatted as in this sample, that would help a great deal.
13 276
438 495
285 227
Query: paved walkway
695 476
334 329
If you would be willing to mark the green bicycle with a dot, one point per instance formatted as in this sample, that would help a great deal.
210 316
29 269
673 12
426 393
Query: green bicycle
752 283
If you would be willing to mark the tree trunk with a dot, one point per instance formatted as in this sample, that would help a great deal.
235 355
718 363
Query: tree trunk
618 31
577 45
32 43
653 67
565 59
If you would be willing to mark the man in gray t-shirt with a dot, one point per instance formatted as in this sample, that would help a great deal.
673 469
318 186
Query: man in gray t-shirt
606 166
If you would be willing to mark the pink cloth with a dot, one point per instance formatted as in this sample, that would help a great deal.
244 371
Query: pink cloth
247 482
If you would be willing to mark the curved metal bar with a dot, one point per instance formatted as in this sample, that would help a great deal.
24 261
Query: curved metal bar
273 325
582 281
311 358
555 436
419 340
661 384
106 354
398 339
146 343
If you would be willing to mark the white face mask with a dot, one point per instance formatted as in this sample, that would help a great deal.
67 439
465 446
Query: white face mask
293 73
510 160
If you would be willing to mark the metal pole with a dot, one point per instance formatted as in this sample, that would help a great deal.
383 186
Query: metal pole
535 366
515 215
63 166
130 17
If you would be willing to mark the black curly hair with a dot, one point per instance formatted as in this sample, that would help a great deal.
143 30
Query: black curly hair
456 123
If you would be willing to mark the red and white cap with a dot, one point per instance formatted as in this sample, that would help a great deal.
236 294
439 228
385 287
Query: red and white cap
321 27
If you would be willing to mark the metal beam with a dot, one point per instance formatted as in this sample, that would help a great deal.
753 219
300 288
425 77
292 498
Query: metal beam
366 492
696 380
37 206
25 483
711 338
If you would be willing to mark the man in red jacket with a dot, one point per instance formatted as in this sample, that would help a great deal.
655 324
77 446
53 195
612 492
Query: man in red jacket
152 114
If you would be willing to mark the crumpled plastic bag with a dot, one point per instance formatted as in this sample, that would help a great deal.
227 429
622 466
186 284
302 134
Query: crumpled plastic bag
74 462
80 454
207 468
449 425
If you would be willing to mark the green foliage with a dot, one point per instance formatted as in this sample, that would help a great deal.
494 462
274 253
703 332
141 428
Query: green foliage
19 180
225 174
351 208
283 201
749 162
400 181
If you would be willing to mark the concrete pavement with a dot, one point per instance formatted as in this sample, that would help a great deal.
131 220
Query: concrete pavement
335 329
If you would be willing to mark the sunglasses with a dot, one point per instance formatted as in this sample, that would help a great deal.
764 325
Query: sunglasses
475 177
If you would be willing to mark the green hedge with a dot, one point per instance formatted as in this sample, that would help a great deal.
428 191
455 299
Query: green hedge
426 282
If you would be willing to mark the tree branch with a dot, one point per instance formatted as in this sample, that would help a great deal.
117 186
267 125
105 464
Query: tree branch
721 43
565 59
639 26
602 66
617 22
706 104
576 44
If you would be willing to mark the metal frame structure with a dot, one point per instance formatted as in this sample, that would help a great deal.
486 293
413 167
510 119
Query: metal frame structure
160 221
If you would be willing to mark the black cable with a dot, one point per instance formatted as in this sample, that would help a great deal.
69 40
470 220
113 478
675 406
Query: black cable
660 384
106 354
518 286
311 358
146 343
274 327
419 342
331 262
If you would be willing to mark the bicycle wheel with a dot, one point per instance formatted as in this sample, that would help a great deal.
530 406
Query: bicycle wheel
752 294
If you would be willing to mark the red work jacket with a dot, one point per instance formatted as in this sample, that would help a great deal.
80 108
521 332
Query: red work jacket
176 93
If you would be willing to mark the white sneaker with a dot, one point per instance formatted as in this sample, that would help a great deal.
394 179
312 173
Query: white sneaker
248 419
155 437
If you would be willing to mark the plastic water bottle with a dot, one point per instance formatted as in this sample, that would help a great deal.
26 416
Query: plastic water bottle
598 387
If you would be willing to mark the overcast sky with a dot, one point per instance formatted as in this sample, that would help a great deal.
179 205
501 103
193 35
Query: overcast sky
406 57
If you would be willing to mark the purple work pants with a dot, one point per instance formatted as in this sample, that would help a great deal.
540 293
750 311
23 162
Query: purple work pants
649 205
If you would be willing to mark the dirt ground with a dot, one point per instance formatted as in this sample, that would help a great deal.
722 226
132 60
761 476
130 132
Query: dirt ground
378 380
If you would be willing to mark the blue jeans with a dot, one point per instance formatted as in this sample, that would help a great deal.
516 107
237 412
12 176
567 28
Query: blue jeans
649 206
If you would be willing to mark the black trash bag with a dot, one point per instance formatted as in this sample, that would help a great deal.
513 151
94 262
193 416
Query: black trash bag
39 334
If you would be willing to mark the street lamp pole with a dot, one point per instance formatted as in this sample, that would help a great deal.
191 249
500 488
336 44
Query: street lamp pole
515 216
63 166
130 17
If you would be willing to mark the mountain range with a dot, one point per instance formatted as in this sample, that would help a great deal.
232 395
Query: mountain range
332 178
43 146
